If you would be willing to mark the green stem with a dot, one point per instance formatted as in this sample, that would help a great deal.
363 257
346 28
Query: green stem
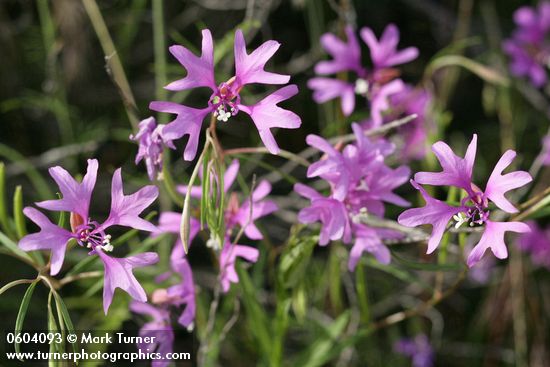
159 43
114 65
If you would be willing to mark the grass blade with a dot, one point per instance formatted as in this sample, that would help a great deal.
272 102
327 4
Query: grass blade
23 312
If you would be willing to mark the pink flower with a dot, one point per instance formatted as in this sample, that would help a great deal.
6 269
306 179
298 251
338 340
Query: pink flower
537 243
76 197
182 293
376 84
418 349
151 144
384 52
228 256
225 100
360 184
330 212
528 48
158 331
474 208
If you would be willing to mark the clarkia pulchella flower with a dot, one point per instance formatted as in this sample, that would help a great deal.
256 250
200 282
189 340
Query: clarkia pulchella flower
360 184
88 233
529 48
410 138
225 100
151 144
474 208
537 243
376 83
418 349
163 302
158 331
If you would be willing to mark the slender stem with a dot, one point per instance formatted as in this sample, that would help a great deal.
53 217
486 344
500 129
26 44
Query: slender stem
159 42
262 150
403 315
113 63
85 275
185 214
168 180
14 283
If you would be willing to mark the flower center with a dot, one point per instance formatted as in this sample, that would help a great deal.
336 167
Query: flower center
90 235
225 100
476 214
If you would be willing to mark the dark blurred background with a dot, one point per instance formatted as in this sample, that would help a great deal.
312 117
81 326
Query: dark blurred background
59 106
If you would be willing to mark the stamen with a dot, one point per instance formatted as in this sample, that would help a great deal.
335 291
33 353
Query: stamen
460 220
361 86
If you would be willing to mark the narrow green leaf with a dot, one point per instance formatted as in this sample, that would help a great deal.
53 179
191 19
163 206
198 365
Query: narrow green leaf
52 328
185 226
18 212
319 352
204 189
12 246
295 258
401 274
488 74
221 204
14 283
256 316
66 317
362 292
4 219
23 312
426 266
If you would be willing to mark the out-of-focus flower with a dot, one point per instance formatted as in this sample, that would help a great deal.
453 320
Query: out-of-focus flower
330 212
384 52
411 137
360 184
418 349
536 243
529 48
158 331
474 208
225 100
76 197
151 144
182 293
228 256
546 150
376 84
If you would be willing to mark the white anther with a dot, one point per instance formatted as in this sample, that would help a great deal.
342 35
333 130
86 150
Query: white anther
214 243
191 327
460 220
108 247
361 86
222 115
